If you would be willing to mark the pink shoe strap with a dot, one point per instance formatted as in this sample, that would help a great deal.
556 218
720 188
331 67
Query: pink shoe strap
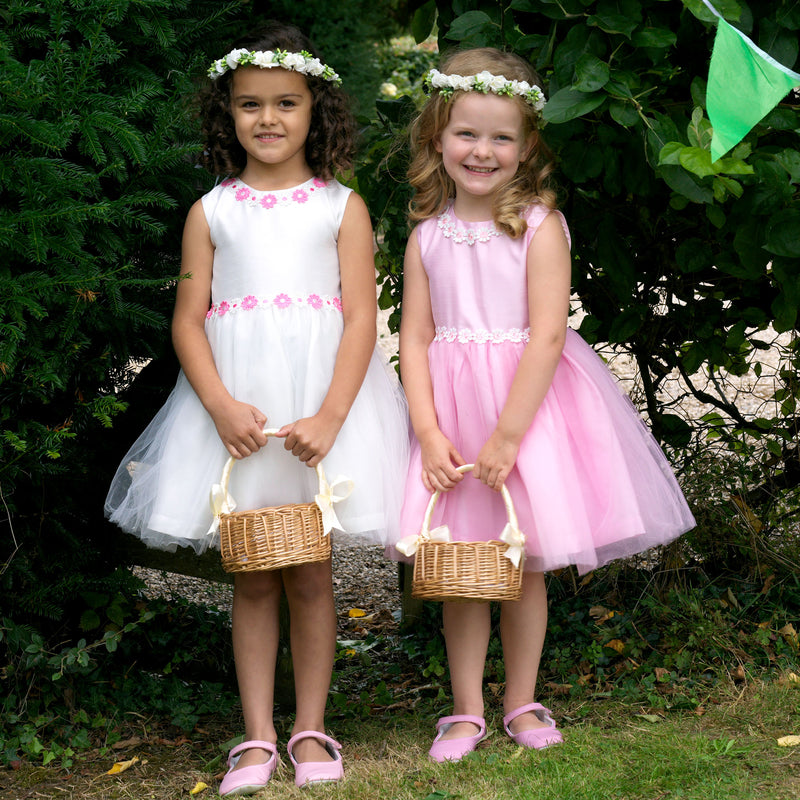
255 744
321 737
544 716
479 721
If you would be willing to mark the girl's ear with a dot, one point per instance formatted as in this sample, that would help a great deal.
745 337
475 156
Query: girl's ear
437 143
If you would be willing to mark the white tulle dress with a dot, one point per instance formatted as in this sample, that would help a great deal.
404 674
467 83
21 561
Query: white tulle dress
274 326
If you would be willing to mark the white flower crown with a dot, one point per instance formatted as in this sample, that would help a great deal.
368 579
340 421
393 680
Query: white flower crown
484 82
302 62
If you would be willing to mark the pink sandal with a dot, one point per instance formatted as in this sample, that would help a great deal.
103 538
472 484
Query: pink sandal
248 780
537 738
456 749
309 772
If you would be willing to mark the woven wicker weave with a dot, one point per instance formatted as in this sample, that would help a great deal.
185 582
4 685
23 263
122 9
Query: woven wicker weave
274 537
466 571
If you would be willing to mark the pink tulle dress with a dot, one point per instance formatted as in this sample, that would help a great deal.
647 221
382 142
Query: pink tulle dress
590 483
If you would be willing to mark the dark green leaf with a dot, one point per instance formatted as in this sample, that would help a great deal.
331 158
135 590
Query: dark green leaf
591 73
568 104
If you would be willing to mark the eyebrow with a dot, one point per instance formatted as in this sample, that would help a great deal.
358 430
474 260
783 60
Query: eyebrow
257 96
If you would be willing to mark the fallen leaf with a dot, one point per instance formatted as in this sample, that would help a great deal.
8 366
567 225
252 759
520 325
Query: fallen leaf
356 612
121 766
789 741
662 674
616 644
768 583
793 677
199 787
789 634
747 513
134 741
597 611
558 688
649 717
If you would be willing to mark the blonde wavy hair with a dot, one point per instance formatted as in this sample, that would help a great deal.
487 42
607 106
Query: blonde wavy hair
426 173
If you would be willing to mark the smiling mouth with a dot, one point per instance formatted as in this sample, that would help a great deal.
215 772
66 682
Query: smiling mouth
480 170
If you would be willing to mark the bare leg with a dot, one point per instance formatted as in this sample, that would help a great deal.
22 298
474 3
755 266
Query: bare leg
256 598
523 625
466 633
309 592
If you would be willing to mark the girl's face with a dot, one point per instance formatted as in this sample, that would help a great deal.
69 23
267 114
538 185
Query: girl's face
271 110
482 146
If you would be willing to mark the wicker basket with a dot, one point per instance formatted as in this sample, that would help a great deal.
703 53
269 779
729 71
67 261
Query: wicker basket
469 571
273 537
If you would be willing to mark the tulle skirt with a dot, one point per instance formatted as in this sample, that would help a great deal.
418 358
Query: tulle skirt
590 484
161 489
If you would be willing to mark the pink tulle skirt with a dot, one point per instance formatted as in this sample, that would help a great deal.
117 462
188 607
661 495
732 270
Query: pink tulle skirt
590 484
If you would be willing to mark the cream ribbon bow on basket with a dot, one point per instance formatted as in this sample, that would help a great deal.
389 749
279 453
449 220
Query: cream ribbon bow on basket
223 503
511 534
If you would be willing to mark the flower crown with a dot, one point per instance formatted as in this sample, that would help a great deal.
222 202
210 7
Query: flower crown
302 62
484 82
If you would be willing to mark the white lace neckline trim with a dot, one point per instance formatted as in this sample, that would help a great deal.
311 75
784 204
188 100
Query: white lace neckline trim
450 229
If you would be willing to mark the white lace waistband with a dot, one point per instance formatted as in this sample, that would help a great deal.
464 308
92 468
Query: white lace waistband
481 335
281 300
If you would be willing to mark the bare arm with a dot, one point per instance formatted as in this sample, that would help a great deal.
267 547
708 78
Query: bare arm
311 438
548 269
239 424
439 456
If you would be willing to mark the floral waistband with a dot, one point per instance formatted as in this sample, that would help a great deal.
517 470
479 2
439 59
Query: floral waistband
481 335
282 300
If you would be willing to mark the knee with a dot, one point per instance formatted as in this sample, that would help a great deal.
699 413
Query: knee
257 586
308 584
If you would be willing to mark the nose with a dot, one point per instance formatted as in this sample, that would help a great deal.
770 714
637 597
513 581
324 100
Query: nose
268 115
483 148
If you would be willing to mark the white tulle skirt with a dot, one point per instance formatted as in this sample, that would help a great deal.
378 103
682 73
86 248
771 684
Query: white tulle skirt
161 489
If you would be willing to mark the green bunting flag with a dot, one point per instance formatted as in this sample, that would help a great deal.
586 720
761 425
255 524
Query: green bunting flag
744 85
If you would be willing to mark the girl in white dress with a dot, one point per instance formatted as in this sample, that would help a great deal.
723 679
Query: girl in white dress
274 323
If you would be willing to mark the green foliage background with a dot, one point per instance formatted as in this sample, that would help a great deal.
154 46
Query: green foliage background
686 264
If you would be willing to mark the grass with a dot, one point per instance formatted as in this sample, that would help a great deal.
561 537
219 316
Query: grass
725 750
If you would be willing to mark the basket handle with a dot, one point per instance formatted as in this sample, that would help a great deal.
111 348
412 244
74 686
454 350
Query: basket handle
223 503
511 534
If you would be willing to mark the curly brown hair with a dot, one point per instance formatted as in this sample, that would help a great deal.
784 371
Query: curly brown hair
331 143
434 187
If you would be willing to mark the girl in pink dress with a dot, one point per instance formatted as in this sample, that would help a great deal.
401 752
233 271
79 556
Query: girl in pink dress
494 377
